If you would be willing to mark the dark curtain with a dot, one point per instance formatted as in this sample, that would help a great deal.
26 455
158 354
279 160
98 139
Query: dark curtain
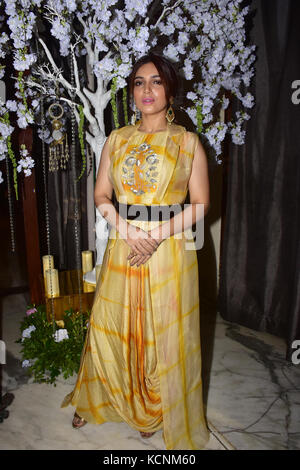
61 210
62 199
260 258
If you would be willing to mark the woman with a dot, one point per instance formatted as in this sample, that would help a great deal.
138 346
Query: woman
141 362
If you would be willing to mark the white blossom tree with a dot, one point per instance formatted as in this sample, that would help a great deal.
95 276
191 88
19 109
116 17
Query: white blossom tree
206 38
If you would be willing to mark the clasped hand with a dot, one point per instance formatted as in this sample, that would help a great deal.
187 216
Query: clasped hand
142 245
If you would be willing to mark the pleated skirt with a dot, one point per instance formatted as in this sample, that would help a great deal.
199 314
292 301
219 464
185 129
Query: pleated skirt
141 361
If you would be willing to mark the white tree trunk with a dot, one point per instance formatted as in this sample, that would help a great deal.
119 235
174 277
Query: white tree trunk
102 232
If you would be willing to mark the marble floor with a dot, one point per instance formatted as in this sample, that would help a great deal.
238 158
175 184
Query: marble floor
251 395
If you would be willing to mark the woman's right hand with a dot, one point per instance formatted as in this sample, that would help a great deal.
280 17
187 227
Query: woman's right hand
140 242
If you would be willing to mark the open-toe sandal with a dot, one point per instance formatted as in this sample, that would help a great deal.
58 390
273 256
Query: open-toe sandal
146 434
78 422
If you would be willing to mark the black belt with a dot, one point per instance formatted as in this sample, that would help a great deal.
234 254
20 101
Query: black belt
143 212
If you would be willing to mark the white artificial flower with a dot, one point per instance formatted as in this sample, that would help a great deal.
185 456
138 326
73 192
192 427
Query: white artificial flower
183 38
188 69
207 118
192 112
192 96
248 100
171 52
25 163
207 105
35 104
238 136
24 152
27 332
44 134
22 122
24 63
166 29
3 148
225 103
134 7
71 5
124 69
4 38
11 105
10 7
60 335
120 83
5 130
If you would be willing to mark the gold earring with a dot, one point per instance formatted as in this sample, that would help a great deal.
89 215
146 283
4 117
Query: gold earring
170 115
136 117
133 117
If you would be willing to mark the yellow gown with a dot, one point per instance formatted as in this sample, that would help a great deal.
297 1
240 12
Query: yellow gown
141 362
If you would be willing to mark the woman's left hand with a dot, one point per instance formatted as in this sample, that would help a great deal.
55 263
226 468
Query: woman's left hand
137 258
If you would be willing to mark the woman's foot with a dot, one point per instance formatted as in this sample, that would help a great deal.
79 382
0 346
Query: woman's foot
78 422
146 434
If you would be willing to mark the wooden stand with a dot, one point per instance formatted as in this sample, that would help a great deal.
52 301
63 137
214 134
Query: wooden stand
69 295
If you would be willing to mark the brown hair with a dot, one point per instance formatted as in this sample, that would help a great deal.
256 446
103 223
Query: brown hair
166 72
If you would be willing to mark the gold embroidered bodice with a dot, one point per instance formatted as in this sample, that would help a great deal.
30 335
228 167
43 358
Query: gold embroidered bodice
151 168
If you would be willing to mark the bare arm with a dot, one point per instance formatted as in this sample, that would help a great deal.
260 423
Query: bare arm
103 194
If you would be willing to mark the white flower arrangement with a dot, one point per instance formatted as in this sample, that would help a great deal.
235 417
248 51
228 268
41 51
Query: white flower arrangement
206 39
55 347
26 163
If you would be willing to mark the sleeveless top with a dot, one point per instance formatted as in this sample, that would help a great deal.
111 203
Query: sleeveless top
152 168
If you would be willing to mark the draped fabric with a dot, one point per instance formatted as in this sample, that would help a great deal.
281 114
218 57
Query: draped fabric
141 361
260 259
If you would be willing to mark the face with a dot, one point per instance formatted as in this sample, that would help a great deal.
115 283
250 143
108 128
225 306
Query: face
148 91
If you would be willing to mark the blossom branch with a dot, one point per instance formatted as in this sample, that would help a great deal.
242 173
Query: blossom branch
57 71
165 11
87 43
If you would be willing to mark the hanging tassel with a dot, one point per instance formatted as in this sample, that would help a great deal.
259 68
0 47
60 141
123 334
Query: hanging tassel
59 149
